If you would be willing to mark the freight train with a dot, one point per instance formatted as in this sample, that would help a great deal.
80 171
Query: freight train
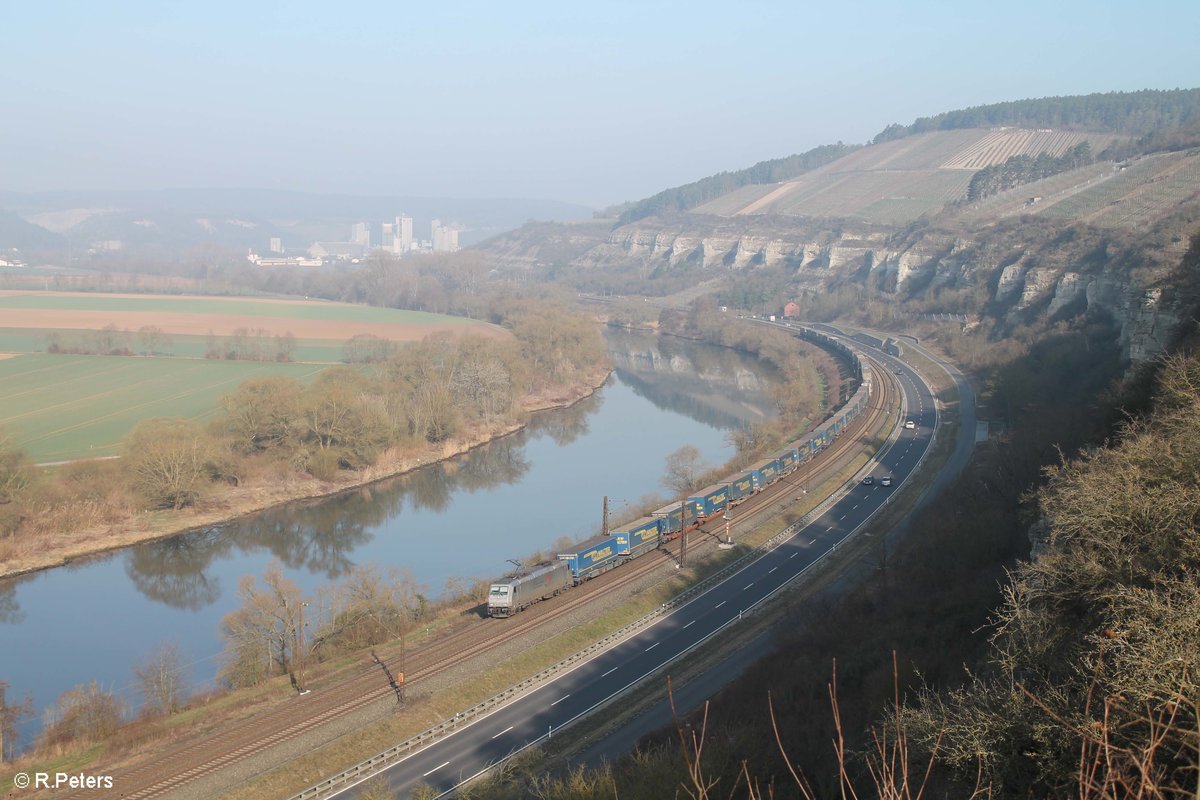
601 553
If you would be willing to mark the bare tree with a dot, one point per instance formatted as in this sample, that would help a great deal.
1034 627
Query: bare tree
169 460
10 716
160 679
262 635
684 468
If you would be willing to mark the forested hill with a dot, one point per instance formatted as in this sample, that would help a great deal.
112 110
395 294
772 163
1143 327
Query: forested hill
1125 113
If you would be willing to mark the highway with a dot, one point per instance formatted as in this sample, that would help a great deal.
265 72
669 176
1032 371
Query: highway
535 716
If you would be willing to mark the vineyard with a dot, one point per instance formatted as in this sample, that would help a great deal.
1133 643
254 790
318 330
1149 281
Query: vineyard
1145 191
996 147
897 181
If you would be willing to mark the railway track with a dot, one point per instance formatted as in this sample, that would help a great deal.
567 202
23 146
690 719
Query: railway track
355 688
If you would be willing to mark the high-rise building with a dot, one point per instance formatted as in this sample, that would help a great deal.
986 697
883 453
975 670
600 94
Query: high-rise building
361 234
276 244
387 238
443 239
404 234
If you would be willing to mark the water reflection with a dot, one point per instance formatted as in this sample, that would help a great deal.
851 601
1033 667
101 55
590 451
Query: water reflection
710 385
10 609
713 385
318 536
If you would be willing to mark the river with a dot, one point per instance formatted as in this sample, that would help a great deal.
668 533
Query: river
463 519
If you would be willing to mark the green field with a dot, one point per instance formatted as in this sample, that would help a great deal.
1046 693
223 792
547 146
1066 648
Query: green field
60 407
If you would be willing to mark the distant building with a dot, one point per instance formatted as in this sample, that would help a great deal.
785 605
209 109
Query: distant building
404 234
259 261
360 234
276 244
337 251
443 239
791 310
387 238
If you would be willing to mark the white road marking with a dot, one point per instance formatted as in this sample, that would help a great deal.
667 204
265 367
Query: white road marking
651 647
610 672
793 555
718 605
772 569
435 769
559 700
690 624
747 586
498 735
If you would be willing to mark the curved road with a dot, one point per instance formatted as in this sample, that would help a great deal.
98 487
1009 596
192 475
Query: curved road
535 716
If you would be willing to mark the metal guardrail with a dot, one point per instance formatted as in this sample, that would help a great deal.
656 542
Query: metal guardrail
396 753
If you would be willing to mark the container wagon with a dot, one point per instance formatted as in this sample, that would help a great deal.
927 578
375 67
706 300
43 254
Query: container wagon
788 460
588 559
710 500
740 488
527 586
638 537
672 520
769 469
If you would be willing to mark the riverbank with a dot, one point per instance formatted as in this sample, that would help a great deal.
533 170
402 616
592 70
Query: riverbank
46 551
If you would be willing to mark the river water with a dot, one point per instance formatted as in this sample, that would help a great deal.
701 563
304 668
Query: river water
97 619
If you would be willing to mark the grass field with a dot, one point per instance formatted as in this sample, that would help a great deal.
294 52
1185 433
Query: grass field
59 407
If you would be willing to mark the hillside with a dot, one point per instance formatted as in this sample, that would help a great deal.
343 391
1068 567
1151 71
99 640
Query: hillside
896 182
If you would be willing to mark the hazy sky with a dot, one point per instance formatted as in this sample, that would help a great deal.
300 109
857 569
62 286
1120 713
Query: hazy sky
586 102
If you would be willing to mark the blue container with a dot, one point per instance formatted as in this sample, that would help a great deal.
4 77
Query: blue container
592 557
637 537
711 500
672 519
769 470
741 487
788 459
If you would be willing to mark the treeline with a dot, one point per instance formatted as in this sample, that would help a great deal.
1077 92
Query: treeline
110 341
1128 113
1020 169
275 428
688 196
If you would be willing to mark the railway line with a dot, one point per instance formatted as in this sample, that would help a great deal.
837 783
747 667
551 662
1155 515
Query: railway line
356 688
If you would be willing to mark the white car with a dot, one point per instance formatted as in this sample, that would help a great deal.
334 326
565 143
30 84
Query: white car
910 424
886 480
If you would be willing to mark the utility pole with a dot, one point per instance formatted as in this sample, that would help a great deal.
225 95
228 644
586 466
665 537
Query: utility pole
604 530
683 534
300 652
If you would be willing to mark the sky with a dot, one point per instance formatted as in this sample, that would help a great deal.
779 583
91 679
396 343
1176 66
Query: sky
591 103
